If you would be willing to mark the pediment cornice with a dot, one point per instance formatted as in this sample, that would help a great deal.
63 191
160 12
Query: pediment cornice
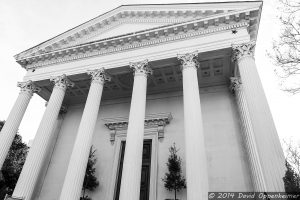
156 36
168 14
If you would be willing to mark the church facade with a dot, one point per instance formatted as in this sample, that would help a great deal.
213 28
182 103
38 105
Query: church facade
136 80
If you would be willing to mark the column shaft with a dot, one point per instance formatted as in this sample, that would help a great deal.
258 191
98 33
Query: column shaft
13 121
131 175
78 162
268 144
31 170
257 176
196 167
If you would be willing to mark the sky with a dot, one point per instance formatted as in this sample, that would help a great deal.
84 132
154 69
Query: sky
24 24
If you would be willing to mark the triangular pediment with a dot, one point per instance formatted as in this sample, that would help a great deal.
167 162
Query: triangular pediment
134 18
117 29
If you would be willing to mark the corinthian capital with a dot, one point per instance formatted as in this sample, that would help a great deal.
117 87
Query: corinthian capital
235 84
242 50
141 68
62 82
188 59
28 86
99 75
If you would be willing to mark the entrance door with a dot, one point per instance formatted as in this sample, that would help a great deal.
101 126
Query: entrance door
145 174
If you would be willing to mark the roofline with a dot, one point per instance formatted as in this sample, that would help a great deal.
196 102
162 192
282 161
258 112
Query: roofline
227 2
69 30
215 2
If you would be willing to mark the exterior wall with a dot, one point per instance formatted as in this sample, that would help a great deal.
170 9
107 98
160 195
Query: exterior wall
227 162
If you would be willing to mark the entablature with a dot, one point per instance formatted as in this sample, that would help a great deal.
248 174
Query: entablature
166 14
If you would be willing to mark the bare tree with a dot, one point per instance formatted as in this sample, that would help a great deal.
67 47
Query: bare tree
292 163
286 50
292 152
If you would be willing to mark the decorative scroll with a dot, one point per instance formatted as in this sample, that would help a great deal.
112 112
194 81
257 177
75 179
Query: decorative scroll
99 75
235 84
141 68
242 50
62 82
157 121
28 86
189 59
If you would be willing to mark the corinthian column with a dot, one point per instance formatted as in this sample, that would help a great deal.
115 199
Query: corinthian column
13 121
248 136
131 174
268 145
78 162
196 169
37 153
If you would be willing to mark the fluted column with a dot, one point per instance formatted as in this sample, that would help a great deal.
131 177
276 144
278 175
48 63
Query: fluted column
257 176
268 144
13 121
196 168
37 153
131 174
78 162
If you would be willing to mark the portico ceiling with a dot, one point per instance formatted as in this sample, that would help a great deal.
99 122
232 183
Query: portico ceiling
215 69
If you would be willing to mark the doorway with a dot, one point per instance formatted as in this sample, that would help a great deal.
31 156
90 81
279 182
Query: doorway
146 170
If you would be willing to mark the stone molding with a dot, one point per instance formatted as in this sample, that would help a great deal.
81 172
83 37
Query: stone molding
62 82
242 50
156 121
123 21
147 13
107 24
126 42
235 84
28 86
188 60
99 76
141 68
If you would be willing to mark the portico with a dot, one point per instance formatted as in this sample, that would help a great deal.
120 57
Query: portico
165 81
